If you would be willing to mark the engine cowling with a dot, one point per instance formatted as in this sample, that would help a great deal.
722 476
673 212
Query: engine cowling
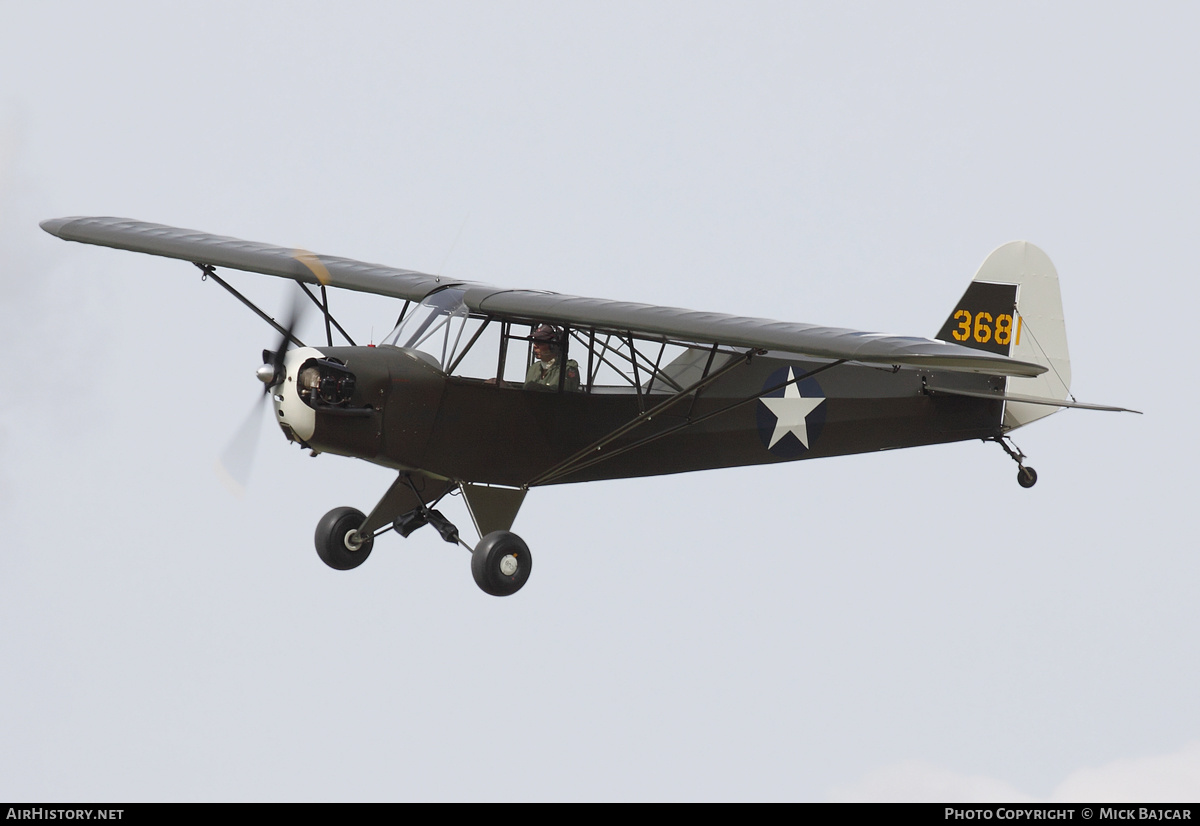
373 403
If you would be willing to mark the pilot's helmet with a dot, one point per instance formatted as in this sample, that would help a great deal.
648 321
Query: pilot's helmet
545 333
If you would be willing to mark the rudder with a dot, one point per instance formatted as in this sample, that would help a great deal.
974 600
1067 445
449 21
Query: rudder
1013 307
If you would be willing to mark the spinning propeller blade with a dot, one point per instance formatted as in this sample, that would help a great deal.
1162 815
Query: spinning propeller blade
238 457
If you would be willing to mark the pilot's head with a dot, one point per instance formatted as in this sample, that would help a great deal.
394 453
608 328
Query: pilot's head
545 342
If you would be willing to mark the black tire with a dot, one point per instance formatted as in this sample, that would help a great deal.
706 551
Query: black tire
501 563
1026 477
332 531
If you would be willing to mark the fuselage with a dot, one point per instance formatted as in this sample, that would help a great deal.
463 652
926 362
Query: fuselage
399 410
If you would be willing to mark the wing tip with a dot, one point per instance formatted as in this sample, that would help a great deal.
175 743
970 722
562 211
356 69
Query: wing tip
55 226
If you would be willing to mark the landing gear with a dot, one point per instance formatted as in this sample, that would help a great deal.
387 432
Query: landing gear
1026 476
339 544
501 563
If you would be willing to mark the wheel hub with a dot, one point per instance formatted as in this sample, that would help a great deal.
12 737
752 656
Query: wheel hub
509 565
353 541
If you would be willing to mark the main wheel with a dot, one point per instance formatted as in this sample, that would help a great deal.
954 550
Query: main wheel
338 543
501 563
1026 477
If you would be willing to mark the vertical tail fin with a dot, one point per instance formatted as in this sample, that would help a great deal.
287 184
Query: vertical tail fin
1013 307
983 318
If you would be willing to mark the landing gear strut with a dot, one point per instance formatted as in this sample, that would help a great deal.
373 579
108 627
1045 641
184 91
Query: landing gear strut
1026 476
500 563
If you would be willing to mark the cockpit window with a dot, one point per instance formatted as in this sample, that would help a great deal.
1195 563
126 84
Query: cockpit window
435 326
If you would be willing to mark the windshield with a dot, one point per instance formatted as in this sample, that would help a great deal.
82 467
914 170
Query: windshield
434 327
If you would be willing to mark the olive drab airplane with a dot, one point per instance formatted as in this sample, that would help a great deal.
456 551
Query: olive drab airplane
491 391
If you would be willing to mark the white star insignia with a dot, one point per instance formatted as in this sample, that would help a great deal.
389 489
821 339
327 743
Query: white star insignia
791 412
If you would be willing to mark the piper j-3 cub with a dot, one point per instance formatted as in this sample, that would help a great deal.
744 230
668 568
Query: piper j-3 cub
595 389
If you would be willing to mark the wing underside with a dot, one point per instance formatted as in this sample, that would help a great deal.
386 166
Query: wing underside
534 306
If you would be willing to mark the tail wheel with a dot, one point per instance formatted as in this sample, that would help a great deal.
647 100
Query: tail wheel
501 563
338 542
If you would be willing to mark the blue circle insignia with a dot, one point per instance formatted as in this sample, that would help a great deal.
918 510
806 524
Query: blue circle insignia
790 418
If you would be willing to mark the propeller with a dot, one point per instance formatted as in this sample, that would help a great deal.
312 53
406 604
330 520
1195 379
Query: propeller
238 457
271 373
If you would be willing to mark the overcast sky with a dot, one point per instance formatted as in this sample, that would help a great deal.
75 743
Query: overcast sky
908 625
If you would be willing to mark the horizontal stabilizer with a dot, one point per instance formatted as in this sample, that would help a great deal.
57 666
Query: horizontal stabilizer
1015 397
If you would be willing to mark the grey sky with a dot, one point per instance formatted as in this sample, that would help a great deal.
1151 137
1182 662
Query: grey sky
903 625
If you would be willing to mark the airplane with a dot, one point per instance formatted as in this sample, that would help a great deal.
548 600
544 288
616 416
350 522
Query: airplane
489 391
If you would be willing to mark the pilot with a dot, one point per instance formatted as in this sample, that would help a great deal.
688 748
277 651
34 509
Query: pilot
543 374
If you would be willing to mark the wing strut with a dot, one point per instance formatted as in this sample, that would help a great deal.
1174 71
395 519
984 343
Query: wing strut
211 272
323 305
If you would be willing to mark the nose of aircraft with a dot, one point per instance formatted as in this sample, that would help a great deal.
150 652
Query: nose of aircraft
290 410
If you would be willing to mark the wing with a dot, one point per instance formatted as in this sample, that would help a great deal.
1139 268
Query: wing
644 319
233 253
